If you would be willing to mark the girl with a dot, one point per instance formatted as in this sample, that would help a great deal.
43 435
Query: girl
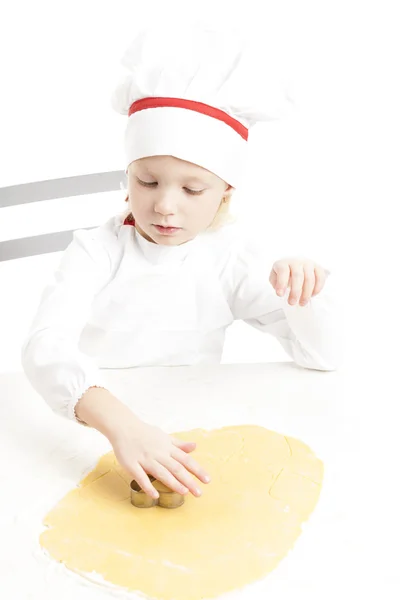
159 284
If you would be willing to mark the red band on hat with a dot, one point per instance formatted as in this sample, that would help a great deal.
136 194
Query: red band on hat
199 107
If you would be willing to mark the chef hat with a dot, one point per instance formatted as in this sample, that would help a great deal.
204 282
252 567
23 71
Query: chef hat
194 92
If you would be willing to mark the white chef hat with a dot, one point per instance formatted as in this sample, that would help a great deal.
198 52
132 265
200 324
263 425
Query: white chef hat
194 92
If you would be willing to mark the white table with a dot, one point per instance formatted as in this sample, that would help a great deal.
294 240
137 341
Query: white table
44 456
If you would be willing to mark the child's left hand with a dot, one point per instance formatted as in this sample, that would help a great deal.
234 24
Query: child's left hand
304 277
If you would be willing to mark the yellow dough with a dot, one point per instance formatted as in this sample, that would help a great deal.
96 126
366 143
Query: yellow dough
264 485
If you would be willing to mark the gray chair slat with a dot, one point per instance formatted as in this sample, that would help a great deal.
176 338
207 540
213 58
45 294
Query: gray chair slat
38 244
51 189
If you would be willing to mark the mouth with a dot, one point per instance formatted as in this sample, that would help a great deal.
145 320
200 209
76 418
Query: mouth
166 230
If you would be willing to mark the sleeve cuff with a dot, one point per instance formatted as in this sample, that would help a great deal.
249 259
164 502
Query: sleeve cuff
71 409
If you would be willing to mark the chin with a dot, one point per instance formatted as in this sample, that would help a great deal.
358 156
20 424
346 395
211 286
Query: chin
169 241
175 240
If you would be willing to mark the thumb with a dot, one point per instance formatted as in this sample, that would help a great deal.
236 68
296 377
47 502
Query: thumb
185 446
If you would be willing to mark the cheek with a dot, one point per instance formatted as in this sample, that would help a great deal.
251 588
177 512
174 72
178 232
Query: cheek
203 211
211 205
139 202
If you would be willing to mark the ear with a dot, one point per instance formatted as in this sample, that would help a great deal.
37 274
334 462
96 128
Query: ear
228 193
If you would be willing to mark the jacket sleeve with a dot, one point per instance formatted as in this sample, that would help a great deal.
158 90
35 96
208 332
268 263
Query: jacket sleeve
312 335
50 355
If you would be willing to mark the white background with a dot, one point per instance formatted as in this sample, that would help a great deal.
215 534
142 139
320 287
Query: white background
323 183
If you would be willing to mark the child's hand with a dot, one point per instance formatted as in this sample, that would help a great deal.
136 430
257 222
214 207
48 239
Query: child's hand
143 449
304 277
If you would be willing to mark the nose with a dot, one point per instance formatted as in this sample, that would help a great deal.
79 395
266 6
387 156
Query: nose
165 203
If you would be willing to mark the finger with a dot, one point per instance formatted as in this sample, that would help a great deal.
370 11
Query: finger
142 478
179 473
185 446
163 473
296 283
320 279
282 271
191 465
308 285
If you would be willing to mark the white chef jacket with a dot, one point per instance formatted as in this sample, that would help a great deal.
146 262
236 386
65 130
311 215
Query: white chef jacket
118 300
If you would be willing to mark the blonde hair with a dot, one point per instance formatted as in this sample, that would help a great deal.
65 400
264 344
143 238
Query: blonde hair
222 217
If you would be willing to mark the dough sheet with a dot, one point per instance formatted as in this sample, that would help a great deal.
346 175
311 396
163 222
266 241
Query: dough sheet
264 486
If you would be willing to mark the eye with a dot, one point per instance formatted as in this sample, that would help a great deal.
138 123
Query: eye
147 183
193 192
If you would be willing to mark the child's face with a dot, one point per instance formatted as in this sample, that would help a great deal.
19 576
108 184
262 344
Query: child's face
167 191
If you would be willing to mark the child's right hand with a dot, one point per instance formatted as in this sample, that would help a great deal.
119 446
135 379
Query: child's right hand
143 449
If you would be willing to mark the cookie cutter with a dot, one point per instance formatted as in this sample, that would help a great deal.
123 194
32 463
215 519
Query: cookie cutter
167 497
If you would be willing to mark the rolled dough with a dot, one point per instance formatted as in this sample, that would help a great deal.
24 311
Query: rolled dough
264 485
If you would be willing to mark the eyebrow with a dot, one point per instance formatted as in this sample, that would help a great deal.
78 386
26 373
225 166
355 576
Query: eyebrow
197 180
188 178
